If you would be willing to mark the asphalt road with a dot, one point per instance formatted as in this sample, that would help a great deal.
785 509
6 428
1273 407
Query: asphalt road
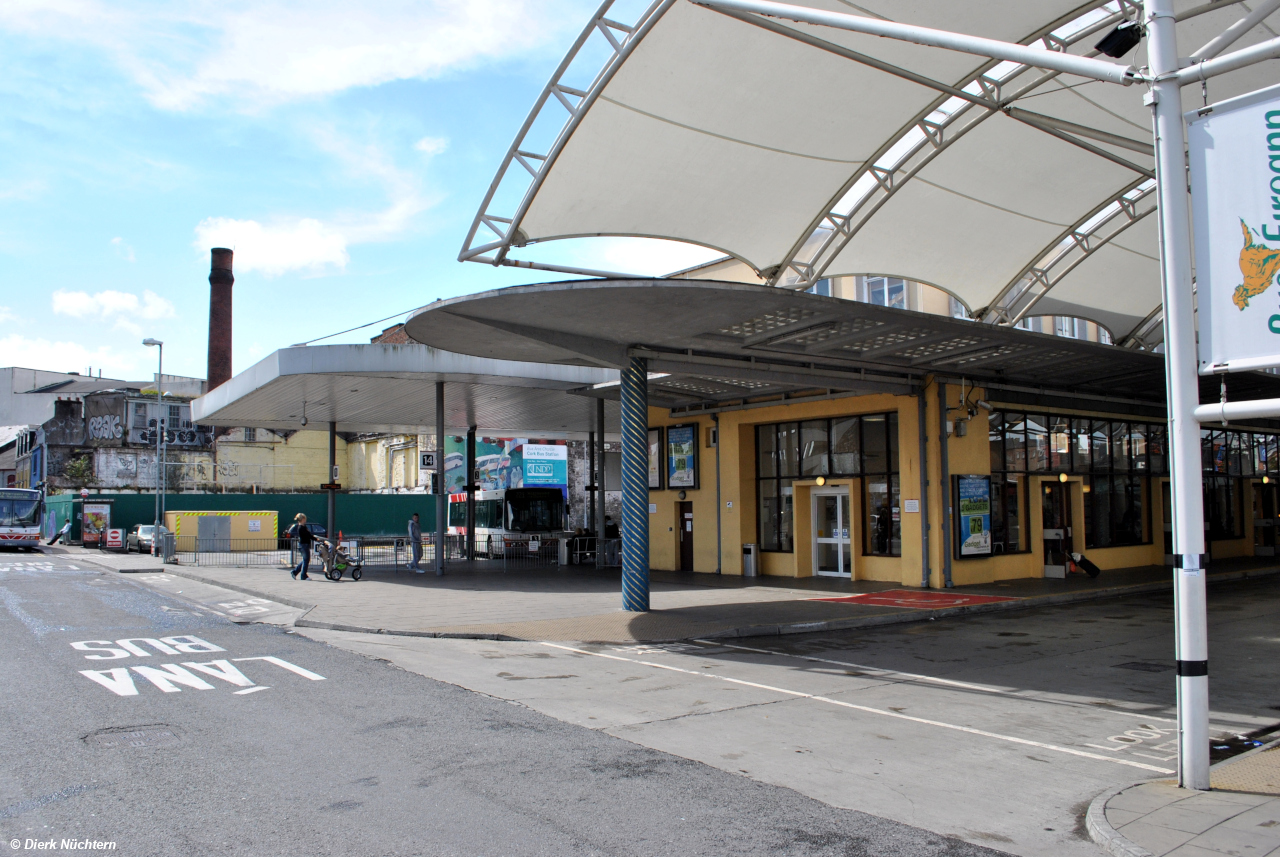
998 729
135 717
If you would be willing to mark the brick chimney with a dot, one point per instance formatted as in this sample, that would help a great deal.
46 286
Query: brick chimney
220 282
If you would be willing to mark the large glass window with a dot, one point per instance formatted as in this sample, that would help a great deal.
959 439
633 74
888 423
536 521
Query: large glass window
887 291
1006 512
845 446
814 447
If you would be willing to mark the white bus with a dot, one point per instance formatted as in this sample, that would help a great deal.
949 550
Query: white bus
510 513
20 513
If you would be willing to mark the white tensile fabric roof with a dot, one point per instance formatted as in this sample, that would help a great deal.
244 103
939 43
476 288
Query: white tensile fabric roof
804 162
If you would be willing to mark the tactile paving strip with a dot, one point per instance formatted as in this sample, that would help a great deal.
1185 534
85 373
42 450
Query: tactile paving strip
1257 774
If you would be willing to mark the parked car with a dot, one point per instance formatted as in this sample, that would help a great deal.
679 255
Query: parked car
317 532
140 538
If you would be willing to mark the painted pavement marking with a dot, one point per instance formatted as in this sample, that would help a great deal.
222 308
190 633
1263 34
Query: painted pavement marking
171 678
1012 739
880 672
916 600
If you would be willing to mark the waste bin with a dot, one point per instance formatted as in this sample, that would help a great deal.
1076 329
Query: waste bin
750 560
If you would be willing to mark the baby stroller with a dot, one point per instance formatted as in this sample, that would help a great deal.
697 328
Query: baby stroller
337 560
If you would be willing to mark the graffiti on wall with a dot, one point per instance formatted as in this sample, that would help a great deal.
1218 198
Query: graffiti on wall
105 427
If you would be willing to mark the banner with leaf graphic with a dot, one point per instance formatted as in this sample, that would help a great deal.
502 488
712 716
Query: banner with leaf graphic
1234 150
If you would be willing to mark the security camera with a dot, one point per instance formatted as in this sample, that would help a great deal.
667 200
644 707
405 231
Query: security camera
304 421
985 405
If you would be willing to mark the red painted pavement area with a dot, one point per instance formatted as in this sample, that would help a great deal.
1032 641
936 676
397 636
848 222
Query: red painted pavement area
921 599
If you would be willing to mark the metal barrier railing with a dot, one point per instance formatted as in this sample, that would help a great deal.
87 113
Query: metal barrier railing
393 551
233 553
520 554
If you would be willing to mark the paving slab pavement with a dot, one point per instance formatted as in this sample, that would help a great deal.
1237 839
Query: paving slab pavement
583 604
1240 816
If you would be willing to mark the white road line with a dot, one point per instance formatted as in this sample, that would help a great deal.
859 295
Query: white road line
868 710
878 672
251 690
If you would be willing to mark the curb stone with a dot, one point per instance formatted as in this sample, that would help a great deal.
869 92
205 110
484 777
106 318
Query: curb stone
769 630
1106 836
1111 840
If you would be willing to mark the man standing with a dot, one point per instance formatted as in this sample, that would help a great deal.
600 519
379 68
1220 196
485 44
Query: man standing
415 543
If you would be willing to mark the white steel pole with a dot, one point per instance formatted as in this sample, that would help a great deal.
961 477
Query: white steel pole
1039 58
155 532
1191 631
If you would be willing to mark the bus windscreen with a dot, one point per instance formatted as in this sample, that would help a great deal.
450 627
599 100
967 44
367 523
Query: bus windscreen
19 509
536 510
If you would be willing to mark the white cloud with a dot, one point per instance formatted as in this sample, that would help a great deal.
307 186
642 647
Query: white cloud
124 308
278 247
432 145
65 356
123 250
263 52
6 314
309 244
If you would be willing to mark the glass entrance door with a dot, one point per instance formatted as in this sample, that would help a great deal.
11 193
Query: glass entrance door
832 556
1056 501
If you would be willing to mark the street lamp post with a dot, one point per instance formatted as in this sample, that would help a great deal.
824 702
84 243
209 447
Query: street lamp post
155 532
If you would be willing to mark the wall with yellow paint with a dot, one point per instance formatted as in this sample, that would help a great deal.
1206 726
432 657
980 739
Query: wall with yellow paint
968 454
272 462
187 524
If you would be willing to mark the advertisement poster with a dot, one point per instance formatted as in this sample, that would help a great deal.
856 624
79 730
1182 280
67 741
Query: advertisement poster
973 515
502 462
545 464
97 518
655 458
1235 182
682 457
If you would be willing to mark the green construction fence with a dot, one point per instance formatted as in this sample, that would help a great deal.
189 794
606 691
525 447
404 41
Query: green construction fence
357 514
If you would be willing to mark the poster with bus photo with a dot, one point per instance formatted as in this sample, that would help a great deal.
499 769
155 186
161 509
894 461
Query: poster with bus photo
973 515
682 457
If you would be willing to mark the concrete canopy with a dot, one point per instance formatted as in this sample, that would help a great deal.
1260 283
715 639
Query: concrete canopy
720 341
807 151
390 388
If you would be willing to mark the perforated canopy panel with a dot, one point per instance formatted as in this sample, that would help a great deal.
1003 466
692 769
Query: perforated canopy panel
807 151
713 341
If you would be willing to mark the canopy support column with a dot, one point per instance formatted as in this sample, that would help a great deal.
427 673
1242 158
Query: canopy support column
944 484
471 494
635 485
442 498
599 477
590 517
1191 628
333 477
922 410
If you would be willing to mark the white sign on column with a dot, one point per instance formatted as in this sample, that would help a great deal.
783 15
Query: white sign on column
1234 153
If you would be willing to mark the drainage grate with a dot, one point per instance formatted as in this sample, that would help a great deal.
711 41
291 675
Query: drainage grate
1143 666
134 737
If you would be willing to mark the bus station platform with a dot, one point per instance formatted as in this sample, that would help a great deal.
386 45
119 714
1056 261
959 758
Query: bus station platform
581 604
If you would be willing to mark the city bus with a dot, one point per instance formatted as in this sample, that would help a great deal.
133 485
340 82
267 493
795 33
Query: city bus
510 513
20 513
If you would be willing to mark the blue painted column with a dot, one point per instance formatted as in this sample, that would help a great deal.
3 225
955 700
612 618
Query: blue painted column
635 486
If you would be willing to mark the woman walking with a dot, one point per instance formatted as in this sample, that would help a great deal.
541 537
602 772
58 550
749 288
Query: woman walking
302 533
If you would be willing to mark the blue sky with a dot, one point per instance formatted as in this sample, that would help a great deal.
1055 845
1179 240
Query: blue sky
342 151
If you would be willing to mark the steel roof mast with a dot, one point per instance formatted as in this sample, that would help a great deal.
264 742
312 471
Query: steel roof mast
1165 80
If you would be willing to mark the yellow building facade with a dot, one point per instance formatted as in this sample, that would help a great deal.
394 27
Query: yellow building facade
1062 481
